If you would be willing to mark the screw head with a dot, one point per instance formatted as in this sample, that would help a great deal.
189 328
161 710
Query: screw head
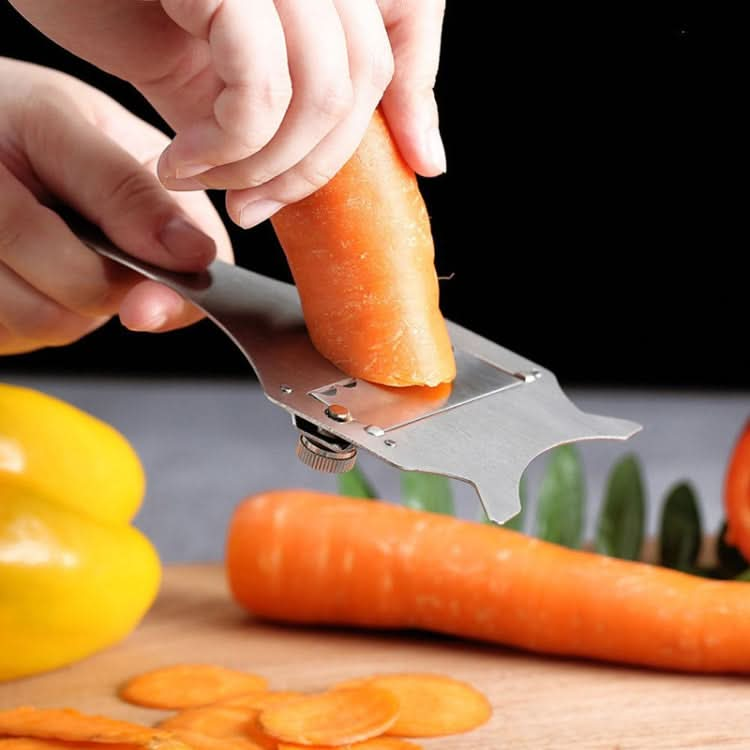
338 413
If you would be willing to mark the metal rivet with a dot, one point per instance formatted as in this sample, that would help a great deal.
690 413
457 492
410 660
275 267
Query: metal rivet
338 413
390 443
286 389
529 376
374 430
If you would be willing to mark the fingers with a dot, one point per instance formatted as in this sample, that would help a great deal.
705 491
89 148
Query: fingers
371 68
249 55
88 171
39 254
409 105
30 320
149 306
319 68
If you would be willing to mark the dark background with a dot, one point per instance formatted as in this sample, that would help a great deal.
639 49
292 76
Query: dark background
591 208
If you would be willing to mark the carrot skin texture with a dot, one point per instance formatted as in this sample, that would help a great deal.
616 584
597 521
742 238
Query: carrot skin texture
308 557
737 494
362 256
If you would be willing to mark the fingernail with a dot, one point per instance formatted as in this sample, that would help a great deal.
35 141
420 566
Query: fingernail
436 149
183 171
154 323
186 242
172 183
256 211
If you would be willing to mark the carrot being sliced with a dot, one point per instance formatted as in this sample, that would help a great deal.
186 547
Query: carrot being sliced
431 705
222 722
362 256
377 743
335 718
188 685
73 726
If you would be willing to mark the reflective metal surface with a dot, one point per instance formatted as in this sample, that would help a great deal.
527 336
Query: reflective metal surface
485 428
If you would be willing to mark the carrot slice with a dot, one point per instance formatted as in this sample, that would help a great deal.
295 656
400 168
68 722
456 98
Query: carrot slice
261 700
432 705
362 255
198 741
377 743
188 685
43 743
73 726
337 717
222 722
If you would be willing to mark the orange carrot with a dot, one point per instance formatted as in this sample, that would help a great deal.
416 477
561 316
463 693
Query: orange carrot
72 726
307 557
431 705
188 685
337 717
737 494
362 255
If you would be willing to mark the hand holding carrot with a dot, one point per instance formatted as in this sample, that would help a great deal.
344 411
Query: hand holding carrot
268 99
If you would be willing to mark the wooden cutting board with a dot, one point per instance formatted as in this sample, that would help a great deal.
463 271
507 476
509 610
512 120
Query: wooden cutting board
539 703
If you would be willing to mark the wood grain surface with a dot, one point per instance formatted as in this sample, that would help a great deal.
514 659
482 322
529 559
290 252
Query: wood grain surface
539 702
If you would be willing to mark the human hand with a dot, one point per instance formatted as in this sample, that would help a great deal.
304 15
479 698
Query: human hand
62 141
268 98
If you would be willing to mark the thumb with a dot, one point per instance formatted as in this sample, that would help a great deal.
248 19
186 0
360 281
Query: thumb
88 171
409 101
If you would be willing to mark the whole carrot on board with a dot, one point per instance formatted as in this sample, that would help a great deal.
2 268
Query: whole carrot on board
362 256
308 557
737 494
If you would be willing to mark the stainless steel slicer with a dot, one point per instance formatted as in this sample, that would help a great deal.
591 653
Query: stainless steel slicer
500 412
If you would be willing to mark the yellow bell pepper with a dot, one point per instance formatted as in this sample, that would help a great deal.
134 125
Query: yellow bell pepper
75 576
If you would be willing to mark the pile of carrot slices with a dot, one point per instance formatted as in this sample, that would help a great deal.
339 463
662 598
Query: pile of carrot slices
225 709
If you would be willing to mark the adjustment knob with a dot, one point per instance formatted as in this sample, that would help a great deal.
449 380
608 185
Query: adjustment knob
320 458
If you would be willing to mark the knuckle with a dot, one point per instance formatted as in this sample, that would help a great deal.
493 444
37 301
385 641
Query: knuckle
312 177
253 113
382 70
135 189
333 102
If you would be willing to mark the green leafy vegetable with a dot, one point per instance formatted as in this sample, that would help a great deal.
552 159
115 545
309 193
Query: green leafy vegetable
430 492
680 533
354 483
621 523
744 576
562 499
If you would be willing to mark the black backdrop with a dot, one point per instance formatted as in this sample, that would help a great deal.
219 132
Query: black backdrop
591 208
